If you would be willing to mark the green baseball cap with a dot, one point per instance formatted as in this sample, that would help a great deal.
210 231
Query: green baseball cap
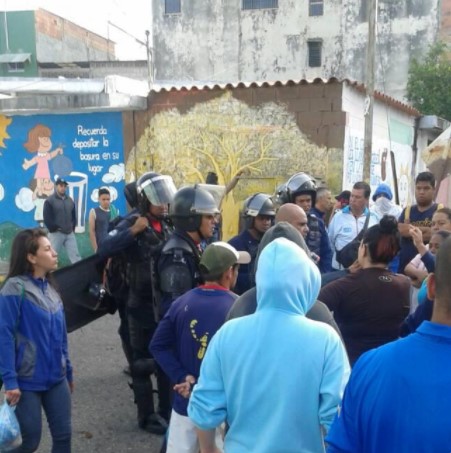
220 256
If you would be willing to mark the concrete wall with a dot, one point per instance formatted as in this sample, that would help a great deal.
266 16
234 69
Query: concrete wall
216 40
270 132
59 40
275 131
393 130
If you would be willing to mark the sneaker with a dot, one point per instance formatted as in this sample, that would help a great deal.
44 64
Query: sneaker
155 424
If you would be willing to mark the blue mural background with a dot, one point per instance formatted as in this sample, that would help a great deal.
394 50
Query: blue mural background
86 150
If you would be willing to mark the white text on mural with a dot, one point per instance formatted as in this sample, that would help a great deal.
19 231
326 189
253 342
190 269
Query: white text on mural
87 141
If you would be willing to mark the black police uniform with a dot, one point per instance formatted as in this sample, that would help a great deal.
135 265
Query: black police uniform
178 268
142 252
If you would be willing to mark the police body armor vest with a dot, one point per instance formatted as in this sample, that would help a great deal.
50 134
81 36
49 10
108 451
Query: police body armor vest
313 239
177 275
148 247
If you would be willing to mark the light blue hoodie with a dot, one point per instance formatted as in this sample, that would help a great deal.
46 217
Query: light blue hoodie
275 376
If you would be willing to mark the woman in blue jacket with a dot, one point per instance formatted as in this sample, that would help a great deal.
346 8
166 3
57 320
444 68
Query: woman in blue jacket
34 361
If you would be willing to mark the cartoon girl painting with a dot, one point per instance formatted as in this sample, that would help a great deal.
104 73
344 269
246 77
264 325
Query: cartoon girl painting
39 142
47 190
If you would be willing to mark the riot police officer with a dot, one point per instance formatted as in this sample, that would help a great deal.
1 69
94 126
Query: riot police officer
259 213
141 237
194 214
300 189
120 289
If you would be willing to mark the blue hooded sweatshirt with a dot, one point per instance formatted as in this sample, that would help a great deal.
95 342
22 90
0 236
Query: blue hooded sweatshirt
275 376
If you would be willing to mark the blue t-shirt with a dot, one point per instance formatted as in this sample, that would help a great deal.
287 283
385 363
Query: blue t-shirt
418 219
181 339
398 397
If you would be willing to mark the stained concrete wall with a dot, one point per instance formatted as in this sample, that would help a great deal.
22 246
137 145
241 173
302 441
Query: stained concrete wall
218 41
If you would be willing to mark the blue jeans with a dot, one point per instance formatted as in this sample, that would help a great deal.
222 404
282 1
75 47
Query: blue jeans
56 404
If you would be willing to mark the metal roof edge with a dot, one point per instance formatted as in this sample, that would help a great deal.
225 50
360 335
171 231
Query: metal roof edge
168 86
75 103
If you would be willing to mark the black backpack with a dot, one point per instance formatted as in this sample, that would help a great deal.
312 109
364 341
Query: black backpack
115 278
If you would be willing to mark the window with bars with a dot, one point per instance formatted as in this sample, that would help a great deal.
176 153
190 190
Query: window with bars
260 4
172 6
316 7
314 53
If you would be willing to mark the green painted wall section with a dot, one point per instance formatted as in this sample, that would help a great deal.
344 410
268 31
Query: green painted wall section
21 39
400 132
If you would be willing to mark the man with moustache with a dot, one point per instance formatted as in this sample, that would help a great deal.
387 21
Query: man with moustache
347 223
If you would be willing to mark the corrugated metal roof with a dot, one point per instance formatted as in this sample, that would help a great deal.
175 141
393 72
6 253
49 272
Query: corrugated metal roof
14 57
158 87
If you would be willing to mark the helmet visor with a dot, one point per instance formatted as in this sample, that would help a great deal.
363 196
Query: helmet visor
204 203
159 190
217 191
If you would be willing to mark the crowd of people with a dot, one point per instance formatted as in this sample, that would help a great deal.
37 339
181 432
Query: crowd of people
250 342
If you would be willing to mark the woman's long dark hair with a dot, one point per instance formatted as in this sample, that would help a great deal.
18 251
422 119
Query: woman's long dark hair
25 242
383 240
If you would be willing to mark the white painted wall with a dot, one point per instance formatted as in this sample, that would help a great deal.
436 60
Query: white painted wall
217 41
393 130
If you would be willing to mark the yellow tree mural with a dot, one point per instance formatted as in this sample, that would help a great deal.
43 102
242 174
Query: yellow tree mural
227 136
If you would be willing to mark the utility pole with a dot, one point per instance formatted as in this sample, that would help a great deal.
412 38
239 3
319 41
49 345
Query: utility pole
148 50
149 59
369 84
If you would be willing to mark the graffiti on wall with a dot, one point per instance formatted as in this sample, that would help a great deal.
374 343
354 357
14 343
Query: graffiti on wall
381 166
86 150
227 136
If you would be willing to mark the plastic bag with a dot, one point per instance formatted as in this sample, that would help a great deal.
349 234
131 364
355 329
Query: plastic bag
10 436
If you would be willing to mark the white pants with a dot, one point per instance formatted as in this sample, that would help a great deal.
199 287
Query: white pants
182 436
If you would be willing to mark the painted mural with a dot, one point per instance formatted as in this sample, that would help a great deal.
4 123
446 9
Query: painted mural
381 166
227 136
86 150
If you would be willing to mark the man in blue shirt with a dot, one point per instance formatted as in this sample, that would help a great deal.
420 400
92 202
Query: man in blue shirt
398 398
182 336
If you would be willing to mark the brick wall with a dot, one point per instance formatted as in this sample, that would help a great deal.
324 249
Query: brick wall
60 29
317 107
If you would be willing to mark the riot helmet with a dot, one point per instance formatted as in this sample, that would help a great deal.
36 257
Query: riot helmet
280 196
301 183
188 207
255 205
155 189
131 195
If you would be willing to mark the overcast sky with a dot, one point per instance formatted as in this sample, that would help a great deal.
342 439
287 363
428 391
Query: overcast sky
134 16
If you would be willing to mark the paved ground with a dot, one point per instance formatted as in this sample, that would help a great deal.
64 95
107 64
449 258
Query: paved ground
103 412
